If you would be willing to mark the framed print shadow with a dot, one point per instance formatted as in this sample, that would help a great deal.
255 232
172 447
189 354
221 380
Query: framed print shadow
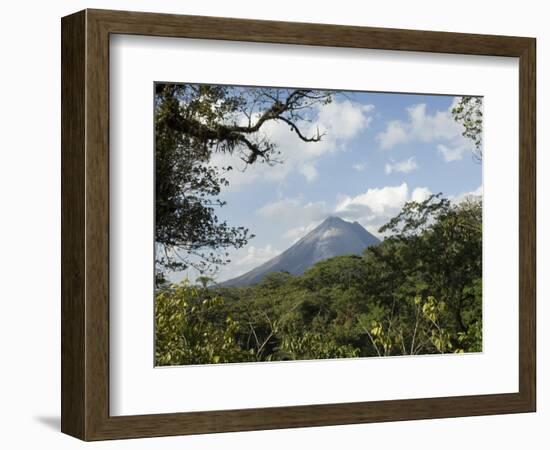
272 225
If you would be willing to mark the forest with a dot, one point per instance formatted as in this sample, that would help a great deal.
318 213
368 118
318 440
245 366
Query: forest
418 292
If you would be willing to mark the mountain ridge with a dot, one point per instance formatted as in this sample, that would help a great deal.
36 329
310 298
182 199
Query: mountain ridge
332 237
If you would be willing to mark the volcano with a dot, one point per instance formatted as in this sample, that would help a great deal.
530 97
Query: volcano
333 237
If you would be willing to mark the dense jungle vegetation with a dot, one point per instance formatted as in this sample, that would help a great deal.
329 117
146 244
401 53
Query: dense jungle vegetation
418 292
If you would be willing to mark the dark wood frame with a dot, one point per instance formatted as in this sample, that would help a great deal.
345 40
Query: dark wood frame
85 224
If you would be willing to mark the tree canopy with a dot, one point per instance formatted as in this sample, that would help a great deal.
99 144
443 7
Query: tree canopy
417 292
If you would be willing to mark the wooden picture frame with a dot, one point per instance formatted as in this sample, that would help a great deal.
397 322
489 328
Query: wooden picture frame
85 224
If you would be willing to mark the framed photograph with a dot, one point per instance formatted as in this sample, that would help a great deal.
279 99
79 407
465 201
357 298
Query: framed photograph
273 225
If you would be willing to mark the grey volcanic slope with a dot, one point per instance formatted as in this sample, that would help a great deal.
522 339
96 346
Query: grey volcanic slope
333 237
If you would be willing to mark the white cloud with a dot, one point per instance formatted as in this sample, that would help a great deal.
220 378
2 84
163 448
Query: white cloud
377 206
423 127
456 199
440 125
246 259
344 119
405 166
255 256
372 209
396 133
338 122
455 153
359 166
377 200
295 216
420 194
310 172
293 210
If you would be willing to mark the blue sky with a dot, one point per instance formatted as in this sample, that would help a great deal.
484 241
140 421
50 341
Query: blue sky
378 151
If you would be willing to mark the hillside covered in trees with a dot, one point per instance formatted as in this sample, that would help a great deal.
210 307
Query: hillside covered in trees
417 292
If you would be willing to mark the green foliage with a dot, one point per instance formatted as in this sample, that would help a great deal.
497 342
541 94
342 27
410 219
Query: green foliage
313 345
192 328
418 292
468 112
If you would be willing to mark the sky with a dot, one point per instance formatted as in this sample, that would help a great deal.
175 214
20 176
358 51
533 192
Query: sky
378 151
